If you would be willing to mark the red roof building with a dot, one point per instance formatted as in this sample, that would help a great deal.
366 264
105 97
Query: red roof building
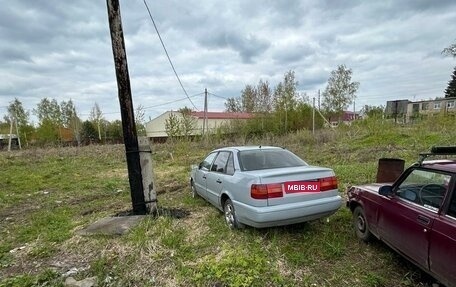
156 128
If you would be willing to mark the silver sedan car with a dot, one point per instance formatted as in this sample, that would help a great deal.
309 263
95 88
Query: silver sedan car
264 186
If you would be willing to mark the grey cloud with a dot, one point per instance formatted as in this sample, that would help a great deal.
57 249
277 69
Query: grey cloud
293 53
248 46
10 55
62 49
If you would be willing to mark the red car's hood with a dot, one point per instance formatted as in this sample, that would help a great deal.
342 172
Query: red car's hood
372 187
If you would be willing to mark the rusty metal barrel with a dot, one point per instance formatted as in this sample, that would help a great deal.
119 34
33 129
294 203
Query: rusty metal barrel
389 169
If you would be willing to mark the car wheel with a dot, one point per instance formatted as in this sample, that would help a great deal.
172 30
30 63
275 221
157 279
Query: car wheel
361 225
230 215
193 189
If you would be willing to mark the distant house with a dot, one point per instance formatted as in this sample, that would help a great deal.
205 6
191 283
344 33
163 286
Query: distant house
405 110
66 135
397 107
347 117
4 141
156 128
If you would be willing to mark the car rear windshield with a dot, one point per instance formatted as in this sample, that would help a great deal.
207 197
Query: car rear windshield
268 158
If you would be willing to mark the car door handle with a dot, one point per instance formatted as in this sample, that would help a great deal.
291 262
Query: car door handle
218 181
424 220
204 176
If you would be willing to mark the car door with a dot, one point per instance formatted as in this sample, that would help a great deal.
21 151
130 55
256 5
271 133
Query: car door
217 175
406 219
442 252
201 174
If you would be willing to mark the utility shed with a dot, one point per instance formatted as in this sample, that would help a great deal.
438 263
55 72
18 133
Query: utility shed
156 128
4 141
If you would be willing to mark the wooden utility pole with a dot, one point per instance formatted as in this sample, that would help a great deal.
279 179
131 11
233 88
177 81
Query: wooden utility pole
11 133
126 110
354 111
205 112
313 116
17 132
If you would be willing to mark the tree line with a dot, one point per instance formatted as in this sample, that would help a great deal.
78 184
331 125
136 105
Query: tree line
59 123
283 108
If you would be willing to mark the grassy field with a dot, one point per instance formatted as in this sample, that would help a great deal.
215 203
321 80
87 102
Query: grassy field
47 195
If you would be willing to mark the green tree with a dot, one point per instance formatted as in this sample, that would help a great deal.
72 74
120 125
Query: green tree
17 112
71 120
286 99
340 91
88 132
187 122
96 117
373 111
139 121
47 132
450 91
286 96
50 120
264 97
248 99
50 111
252 99
172 126
20 117
114 131
233 105
450 50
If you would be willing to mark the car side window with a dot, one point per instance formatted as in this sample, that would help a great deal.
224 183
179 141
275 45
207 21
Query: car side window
221 162
230 165
452 208
207 162
424 187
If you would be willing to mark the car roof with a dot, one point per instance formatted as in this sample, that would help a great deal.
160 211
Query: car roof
243 148
443 165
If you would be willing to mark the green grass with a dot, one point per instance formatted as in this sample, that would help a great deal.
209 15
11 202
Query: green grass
47 195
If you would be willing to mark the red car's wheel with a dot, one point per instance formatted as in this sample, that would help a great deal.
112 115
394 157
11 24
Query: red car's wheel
361 225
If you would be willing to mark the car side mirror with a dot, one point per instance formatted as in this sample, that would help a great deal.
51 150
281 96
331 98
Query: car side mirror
386 190
200 165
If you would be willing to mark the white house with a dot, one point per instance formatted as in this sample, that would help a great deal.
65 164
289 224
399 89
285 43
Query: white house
406 111
155 129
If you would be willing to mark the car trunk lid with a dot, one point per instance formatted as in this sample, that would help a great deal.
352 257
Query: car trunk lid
296 184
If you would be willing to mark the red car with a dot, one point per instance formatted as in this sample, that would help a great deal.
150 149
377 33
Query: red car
415 216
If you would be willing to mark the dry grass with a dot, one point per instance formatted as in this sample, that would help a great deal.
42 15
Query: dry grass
47 195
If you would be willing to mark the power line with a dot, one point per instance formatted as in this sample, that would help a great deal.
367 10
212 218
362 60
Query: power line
167 55
178 100
153 106
217 96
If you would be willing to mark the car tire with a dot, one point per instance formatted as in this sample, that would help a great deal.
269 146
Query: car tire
361 225
193 190
230 215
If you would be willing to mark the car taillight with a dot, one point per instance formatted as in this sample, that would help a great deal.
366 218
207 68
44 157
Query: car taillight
328 183
265 191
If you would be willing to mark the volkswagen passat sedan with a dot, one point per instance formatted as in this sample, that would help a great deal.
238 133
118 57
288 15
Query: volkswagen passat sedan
265 186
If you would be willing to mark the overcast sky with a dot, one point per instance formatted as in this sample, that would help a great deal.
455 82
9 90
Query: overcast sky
62 50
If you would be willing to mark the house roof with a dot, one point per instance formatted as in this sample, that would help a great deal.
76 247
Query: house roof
222 115
345 116
435 100
7 136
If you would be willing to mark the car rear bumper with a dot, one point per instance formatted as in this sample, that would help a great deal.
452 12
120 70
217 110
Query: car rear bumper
285 214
